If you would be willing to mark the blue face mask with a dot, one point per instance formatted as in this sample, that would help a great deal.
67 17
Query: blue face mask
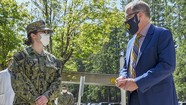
132 25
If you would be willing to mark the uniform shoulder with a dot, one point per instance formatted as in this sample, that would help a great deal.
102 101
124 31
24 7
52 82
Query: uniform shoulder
22 53
49 54
53 58
69 93
19 56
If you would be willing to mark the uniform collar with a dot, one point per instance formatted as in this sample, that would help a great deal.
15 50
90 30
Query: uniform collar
32 51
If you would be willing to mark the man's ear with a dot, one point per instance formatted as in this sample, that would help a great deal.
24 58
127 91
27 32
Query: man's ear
140 14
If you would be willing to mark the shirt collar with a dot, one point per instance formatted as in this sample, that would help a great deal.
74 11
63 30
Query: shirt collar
145 30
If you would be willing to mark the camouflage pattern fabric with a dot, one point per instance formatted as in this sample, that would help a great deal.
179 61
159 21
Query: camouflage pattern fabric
37 26
34 75
66 99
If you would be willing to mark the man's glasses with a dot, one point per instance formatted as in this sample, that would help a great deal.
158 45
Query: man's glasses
129 16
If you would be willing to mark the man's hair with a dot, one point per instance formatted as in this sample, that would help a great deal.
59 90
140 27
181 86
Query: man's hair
140 6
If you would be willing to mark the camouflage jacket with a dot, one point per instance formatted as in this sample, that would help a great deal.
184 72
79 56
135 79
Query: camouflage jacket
34 75
66 99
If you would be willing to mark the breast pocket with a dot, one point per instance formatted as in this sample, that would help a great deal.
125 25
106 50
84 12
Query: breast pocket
51 70
31 67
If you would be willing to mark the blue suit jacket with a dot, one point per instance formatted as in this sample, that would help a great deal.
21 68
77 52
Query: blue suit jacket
155 65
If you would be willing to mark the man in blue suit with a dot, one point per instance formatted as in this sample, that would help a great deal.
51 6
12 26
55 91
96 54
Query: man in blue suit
150 60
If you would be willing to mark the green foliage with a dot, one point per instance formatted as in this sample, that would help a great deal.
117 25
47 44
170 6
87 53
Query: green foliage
180 74
86 27
106 60
180 36
11 25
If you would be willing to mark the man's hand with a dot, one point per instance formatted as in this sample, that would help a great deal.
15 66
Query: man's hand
41 100
130 85
120 82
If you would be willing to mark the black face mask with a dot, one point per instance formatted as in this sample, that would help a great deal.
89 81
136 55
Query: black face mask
132 25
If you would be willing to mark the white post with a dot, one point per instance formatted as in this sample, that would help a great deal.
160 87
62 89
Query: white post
123 92
81 88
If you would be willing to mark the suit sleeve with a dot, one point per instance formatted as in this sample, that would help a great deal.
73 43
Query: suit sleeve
21 85
165 66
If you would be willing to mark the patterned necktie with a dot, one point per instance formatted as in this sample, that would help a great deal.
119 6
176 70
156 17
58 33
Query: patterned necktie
134 56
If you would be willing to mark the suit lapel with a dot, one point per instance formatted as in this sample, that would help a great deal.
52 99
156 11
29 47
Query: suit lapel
146 41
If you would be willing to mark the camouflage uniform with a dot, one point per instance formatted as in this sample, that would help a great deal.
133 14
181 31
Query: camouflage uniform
34 75
66 99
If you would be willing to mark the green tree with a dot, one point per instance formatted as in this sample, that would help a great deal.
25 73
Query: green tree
180 36
12 19
51 11
106 60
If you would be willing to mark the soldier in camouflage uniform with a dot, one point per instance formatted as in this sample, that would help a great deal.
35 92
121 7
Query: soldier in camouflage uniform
66 97
35 73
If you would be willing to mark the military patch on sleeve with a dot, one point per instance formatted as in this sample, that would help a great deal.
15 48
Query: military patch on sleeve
19 56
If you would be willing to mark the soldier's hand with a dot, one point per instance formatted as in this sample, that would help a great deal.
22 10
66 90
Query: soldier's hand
41 100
